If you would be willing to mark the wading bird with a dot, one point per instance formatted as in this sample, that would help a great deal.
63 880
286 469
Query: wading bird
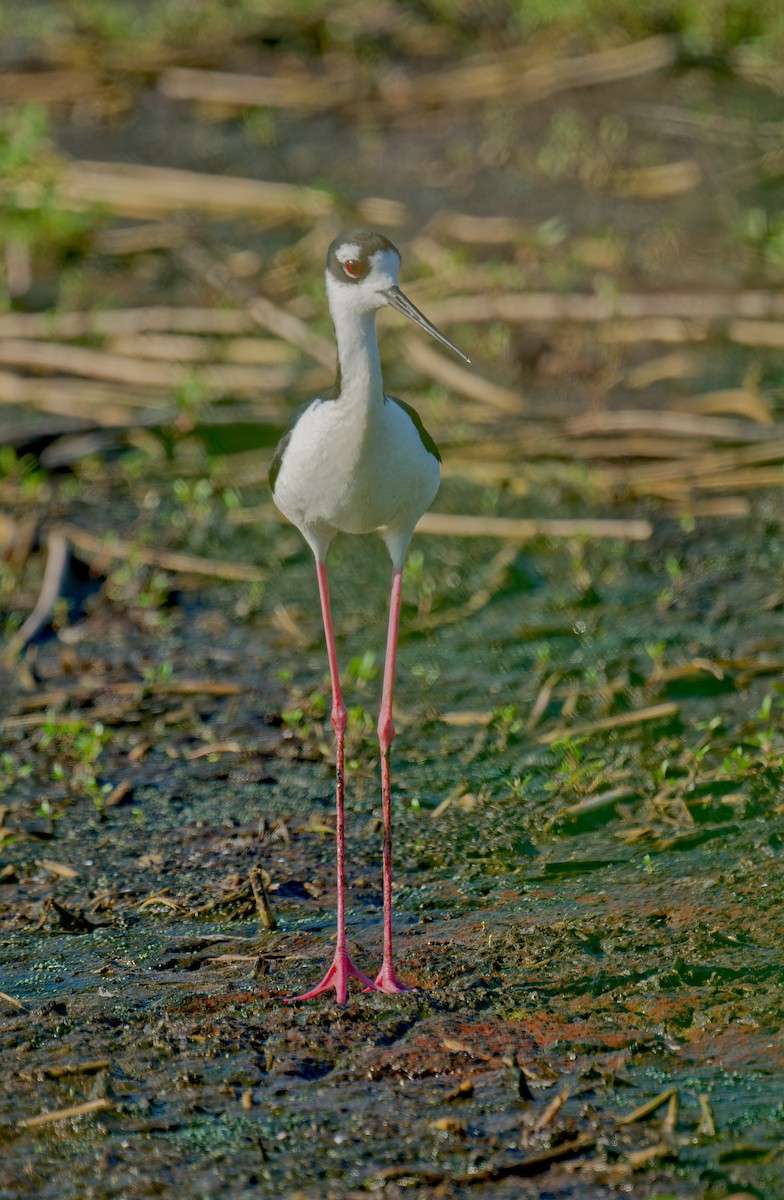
358 461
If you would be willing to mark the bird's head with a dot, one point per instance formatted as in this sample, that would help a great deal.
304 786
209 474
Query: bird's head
362 270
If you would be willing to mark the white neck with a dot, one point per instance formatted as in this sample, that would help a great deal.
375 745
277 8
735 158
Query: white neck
358 356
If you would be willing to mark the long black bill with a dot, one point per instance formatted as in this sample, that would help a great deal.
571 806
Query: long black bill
402 303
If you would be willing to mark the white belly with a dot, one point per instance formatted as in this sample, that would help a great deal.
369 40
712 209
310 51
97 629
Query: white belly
354 471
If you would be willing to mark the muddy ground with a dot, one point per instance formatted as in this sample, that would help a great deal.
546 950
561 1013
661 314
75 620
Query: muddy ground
589 762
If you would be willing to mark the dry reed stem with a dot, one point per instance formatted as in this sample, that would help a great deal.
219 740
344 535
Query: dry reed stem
742 402
707 1125
721 506
478 231
663 421
186 564
460 379
378 210
111 406
298 90
17 1004
284 324
187 348
186 687
23 389
263 906
641 1158
115 368
748 480
63 1114
135 190
635 446
58 554
713 461
139 239
552 1110
657 712
61 870
671 1116
591 804
87 401
645 1110
47 87
118 794
90 1066
654 183
521 308
213 748
515 529
493 473
260 309
523 529
155 319
666 330
532 1164
679 364
757 333
509 74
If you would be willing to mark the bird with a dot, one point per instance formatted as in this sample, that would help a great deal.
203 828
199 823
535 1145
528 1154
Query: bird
358 461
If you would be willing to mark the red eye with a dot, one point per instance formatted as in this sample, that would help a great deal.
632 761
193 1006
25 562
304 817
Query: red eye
354 268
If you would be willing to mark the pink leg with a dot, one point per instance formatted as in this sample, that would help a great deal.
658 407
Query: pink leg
342 967
387 980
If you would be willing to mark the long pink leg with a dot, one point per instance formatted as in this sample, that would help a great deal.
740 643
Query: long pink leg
342 967
387 980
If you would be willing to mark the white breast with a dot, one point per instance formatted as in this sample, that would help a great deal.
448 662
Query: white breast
354 469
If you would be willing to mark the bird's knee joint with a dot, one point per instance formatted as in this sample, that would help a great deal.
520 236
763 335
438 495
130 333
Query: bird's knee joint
339 718
386 732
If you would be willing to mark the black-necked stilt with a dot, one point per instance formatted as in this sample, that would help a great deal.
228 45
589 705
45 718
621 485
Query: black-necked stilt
359 461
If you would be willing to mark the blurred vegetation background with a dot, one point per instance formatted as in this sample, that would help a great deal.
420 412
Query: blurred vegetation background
587 196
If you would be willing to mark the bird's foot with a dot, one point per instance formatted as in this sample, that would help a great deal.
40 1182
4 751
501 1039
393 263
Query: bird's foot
337 977
388 982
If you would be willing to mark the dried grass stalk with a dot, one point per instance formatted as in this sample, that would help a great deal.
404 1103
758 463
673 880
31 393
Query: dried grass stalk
207 321
187 348
46 87
477 231
292 89
187 564
137 372
663 421
460 379
133 190
63 1114
654 183
667 330
657 712
510 73
263 312
742 402
757 333
523 530
680 364
521 308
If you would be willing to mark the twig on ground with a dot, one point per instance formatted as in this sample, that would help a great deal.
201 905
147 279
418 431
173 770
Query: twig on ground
657 712
63 1114
186 564
263 906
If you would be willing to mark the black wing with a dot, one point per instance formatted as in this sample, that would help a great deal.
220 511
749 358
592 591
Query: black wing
424 436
